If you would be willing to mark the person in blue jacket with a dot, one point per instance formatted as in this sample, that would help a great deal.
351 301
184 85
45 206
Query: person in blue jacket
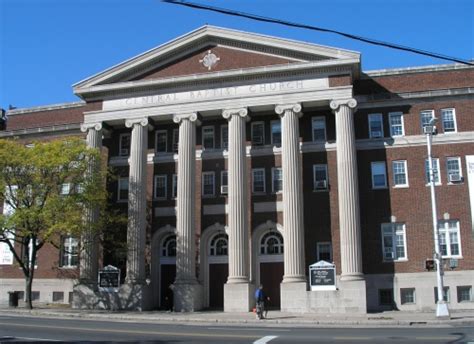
261 299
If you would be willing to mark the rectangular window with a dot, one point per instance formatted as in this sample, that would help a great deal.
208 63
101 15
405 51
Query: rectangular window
35 296
436 172
379 175
258 133
394 241
396 124
425 117
161 141
277 179
407 296
386 297
208 137
318 125
208 184
324 251
375 125
69 252
449 238
58 296
464 293
400 177
224 183
446 295
160 186
453 167
122 189
224 136
258 180
175 185
65 189
448 118
320 177
124 144
276 133
175 140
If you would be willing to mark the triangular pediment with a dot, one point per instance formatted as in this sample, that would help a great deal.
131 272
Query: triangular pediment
210 51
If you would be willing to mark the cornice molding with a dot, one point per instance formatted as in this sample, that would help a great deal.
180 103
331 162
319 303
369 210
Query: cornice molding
42 108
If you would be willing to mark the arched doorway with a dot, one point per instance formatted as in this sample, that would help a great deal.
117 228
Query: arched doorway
218 269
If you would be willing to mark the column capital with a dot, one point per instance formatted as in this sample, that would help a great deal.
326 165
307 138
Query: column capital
143 121
282 108
335 104
192 117
88 126
242 112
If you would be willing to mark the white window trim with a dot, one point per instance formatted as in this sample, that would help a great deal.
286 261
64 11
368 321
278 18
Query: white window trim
264 181
174 182
271 132
158 176
439 182
156 140
273 178
224 126
213 136
314 178
406 185
392 225
120 143
222 182
372 175
454 119
378 116
68 266
118 190
421 117
318 249
209 173
393 114
252 125
460 169
447 230
313 119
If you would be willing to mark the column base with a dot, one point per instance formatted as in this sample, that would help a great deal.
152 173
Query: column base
187 296
293 296
238 297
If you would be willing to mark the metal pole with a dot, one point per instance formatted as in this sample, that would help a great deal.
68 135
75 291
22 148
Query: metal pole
441 306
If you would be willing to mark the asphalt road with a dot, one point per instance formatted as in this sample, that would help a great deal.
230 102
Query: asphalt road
14 329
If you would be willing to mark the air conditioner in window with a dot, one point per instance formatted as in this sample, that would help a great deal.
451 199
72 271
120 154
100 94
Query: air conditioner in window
321 184
430 129
376 134
455 178
389 255
224 189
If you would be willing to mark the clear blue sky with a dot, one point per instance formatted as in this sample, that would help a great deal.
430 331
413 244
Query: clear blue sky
48 45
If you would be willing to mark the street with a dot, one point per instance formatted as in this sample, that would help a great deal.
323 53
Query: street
40 329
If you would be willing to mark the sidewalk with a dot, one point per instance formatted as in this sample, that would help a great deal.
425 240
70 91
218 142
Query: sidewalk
274 318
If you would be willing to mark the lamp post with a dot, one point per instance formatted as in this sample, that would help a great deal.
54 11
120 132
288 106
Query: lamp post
442 310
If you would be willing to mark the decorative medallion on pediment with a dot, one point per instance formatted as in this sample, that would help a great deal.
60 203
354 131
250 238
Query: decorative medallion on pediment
209 60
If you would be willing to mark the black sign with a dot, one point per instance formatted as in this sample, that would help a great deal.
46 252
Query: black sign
322 277
109 279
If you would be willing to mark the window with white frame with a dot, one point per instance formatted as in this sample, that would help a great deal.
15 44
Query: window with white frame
271 243
175 186
160 186
224 136
407 296
258 133
318 125
464 293
375 125
122 194
208 137
448 119
449 238
175 140
65 189
168 246
277 179
276 133
436 171
379 175
258 180
320 177
219 245
208 184
324 251
396 124
453 168
425 117
124 144
400 177
161 141
69 252
394 241
224 183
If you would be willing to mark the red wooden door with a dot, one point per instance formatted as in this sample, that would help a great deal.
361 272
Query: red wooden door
218 274
271 275
168 275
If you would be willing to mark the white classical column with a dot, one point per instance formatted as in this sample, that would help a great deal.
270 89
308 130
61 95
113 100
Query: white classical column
348 191
136 230
237 199
89 260
187 291
293 225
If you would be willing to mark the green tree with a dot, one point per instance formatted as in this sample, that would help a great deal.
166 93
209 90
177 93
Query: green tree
46 188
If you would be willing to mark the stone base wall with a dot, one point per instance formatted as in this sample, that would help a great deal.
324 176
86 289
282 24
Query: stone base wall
238 297
187 297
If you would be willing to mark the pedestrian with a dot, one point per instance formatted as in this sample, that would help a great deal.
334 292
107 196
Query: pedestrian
260 300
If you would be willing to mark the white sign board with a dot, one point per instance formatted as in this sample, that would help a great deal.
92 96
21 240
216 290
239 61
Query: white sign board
322 276
6 255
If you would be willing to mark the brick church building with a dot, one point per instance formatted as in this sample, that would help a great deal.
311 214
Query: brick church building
242 159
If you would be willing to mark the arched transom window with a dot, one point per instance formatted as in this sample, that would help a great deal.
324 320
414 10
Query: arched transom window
218 245
168 247
271 243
